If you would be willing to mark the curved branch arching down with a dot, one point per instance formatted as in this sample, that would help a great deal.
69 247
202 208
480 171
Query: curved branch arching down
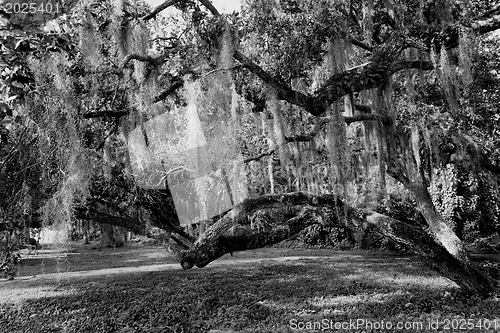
138 57
291 213
175 85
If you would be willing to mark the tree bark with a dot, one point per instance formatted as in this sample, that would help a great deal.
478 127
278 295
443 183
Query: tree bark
450 258
291 213
469 277
441 230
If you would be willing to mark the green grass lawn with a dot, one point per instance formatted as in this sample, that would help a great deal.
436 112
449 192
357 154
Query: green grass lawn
269 296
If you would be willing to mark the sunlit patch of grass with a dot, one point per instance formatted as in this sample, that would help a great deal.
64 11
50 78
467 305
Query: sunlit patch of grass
332 301
274 305
402 279
20 294
291 279
428 282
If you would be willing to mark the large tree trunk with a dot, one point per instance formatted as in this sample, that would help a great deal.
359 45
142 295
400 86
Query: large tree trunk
438 226
291 213
441 230
454 262
449 255
471 278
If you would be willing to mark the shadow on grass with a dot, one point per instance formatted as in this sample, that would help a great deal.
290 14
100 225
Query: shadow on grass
262 297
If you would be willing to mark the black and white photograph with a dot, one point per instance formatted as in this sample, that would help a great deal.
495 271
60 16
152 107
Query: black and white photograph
249 166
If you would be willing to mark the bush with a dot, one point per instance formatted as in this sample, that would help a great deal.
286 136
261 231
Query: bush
337 237
9 254
400 208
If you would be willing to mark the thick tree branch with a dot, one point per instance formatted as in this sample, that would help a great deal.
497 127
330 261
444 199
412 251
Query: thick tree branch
288 139
361 45
203 252
169 3
317 128
337 86
383 63
373 75
260 156
468 276
94 214
138 57
284 91
176 84
160 8
104 114
363 108
411 64
173 245
211 8
367 117
488 21
101 212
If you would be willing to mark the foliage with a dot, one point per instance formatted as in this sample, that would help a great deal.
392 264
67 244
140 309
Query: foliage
468 200
401 206
337 237
290 37
9 257
25 185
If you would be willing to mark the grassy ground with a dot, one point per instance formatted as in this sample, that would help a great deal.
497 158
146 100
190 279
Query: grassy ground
269 296
76 256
